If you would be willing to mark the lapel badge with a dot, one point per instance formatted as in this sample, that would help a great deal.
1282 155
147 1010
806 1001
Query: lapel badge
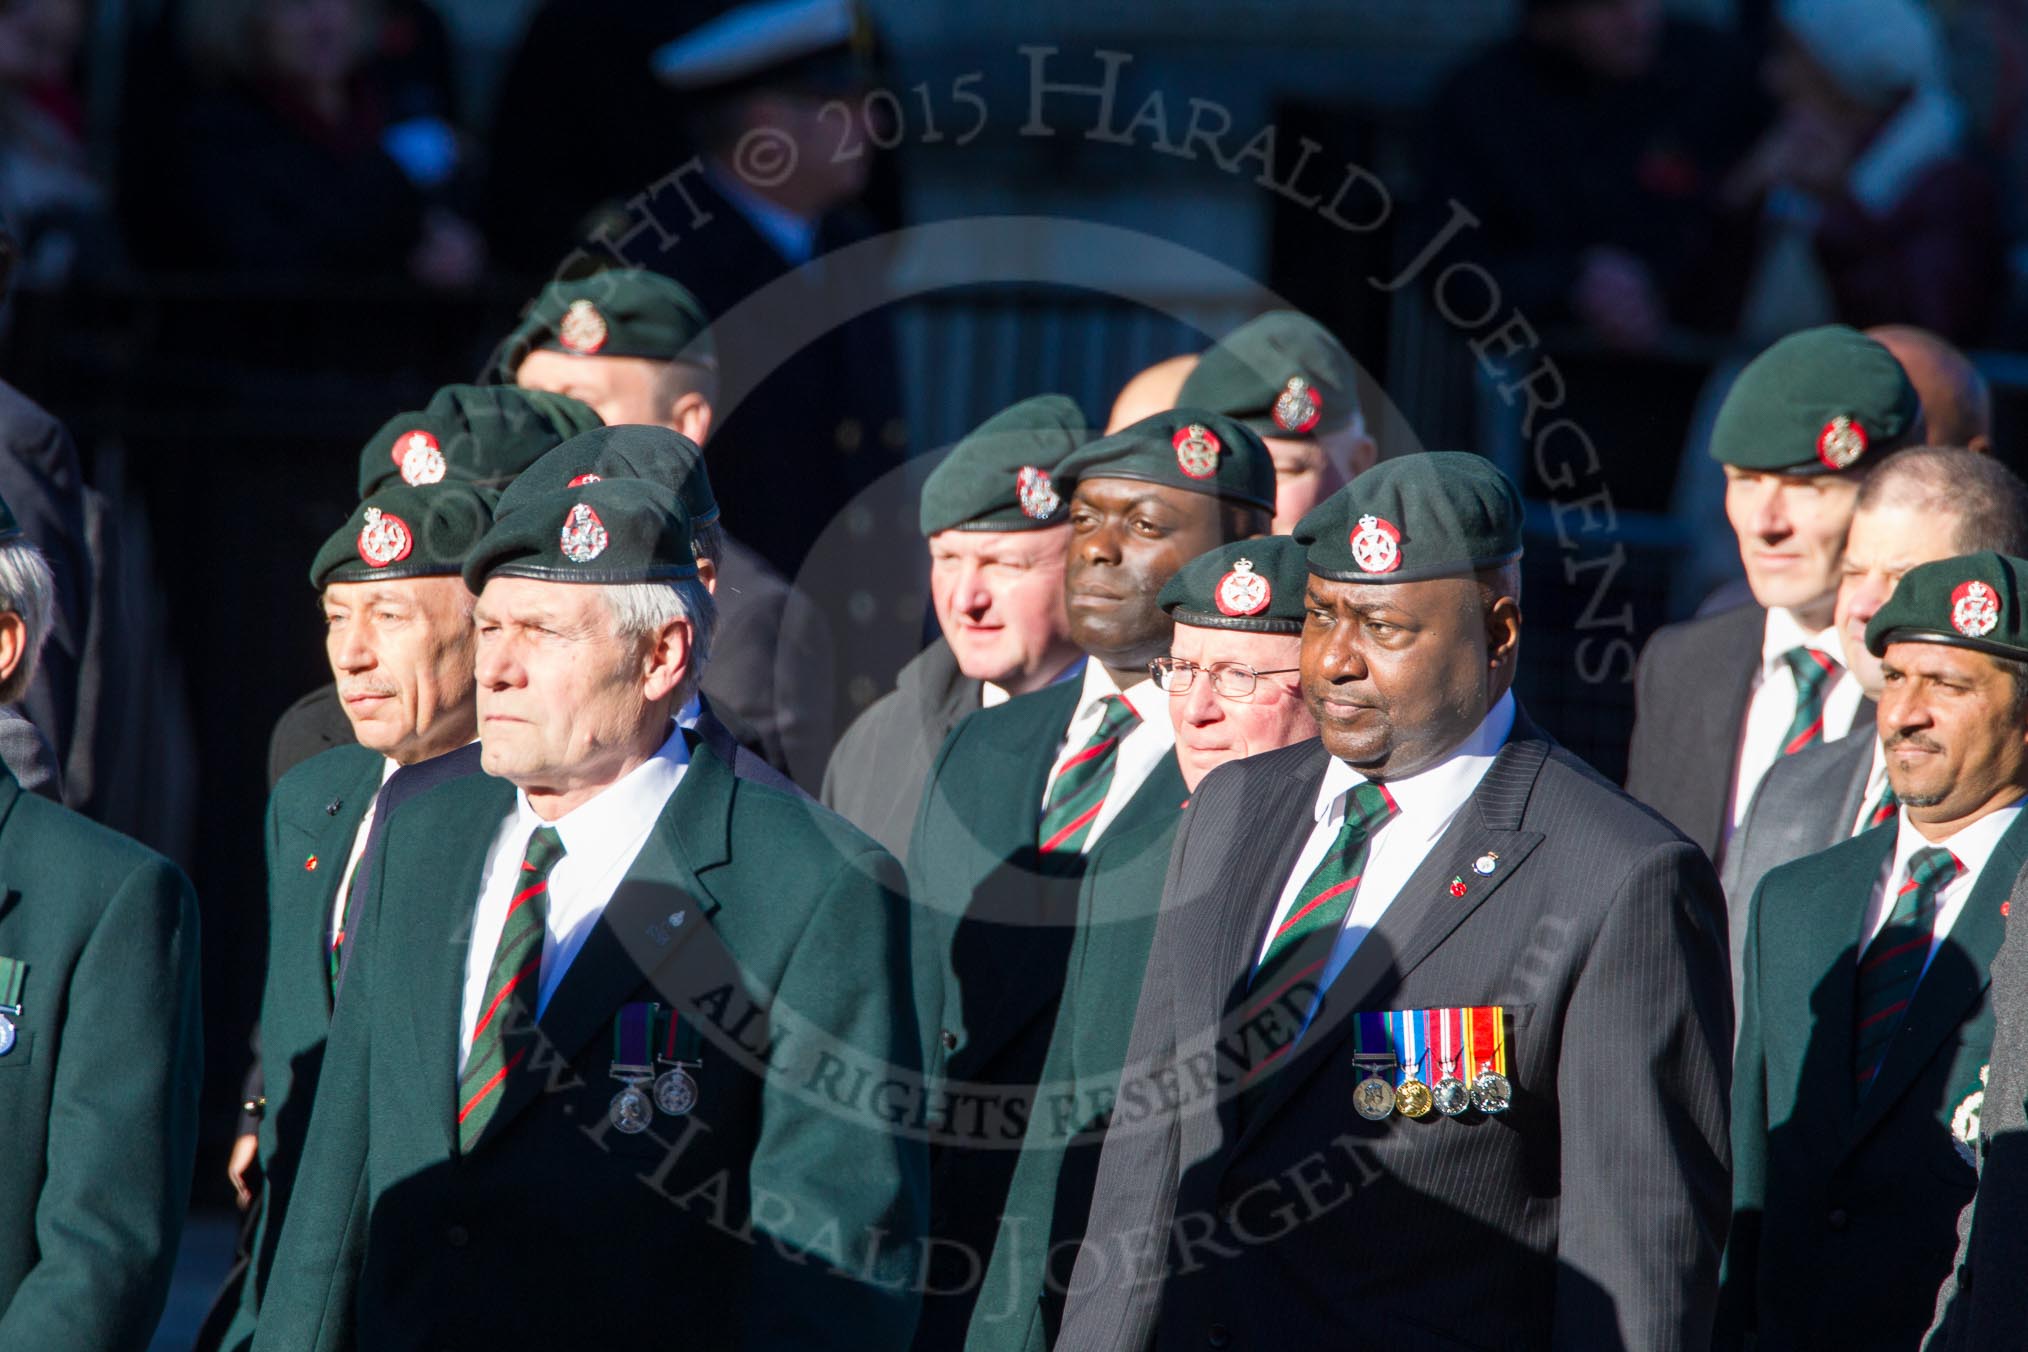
331 808
1965 1121
310 864
676 919
419 457
1486 863
1457 887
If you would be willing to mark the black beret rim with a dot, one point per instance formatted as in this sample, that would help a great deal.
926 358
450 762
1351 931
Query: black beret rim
1018 520
1946 638
1252 624
1210 487
1264 426
543 572
1814 466
1422 574
553 344
394 572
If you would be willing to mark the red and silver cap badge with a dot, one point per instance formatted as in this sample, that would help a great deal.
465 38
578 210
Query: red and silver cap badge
1841 443
1975 609
419 457
1298 407
1037 494
581 480
1376 545
584 536
1196 450
1243 591
582 329
384 539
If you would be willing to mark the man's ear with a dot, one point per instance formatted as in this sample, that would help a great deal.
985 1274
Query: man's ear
690 414
707 573
667 660
13 642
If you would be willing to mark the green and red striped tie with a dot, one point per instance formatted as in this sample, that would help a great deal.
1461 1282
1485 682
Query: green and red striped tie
1883 810
1080 788
1305 938
1814 671
506 1025
1892 964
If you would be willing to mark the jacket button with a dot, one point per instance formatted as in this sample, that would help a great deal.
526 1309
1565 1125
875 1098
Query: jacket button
457 1237
949 1040
1218 1336
1836 1220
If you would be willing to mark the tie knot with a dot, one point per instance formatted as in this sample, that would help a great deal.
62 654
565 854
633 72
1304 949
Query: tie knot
1932 867
1119 716
1370 807
545 847
1811 667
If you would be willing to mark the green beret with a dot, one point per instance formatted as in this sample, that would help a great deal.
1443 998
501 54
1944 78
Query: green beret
1254 585
1283 375
1182 448
402 532
1817 402
619 312
1431 514
1972 601
611 532
482 434
1004 475
631 451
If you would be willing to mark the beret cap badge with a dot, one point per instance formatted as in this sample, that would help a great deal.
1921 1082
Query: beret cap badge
420 457
583 329
1243 591
1298 407
1197 450
584 536
1037 494
384 539
1376 545
1975 609
1841 443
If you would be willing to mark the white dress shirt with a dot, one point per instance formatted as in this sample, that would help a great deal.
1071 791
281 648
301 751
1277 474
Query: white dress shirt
1139 751
387 769
1973 846
1772 705
600 840
1427 800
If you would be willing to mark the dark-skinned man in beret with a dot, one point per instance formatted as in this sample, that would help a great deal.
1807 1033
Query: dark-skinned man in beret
100 1067
576 1086
636 346
1720 698
1287 378
1233 689
1867 1021
1428 1002
1020 793
997 521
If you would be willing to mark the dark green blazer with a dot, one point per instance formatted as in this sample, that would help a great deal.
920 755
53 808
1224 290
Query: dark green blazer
98 1097
994 920
1050 1196
1845 1209
784 1212
313 814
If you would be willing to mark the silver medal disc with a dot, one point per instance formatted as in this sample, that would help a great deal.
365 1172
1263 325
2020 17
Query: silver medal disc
1492 1092
675 1092
630 1111
1451 1096
1374 1098
7 1035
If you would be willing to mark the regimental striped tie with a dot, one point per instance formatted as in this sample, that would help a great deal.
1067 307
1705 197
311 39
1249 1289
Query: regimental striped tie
1892 964
1080 788
1814 671
1327 894
1883 811
506 1025
338 936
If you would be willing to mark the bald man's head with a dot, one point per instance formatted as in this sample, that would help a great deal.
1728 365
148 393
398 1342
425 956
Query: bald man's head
1957 408
1151 391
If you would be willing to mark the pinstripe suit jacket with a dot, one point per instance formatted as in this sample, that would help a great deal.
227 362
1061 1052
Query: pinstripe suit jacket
1589 1216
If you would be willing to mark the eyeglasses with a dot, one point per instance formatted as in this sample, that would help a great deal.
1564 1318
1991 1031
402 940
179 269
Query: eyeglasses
1233 680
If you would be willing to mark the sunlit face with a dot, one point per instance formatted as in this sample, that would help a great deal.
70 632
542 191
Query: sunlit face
1212 729
1954 747
563 697
401 652
1791 531
1885 541
998 596
621 390
1128 538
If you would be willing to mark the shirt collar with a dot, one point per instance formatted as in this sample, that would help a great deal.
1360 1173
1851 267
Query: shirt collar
687 716
1142 695
1973 845
609 823
1784 631
793 237
1437 792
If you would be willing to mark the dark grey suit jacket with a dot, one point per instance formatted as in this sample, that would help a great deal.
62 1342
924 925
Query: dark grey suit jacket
771 671
876 775
1691 689
1805 803
28 756
1599 928
1983 1304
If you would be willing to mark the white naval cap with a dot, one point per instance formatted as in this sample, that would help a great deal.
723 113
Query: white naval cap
751 39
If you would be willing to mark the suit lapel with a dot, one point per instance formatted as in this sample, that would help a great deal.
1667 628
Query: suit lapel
330 835
1846 878
1423 914
1957 977
10 794
654 912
